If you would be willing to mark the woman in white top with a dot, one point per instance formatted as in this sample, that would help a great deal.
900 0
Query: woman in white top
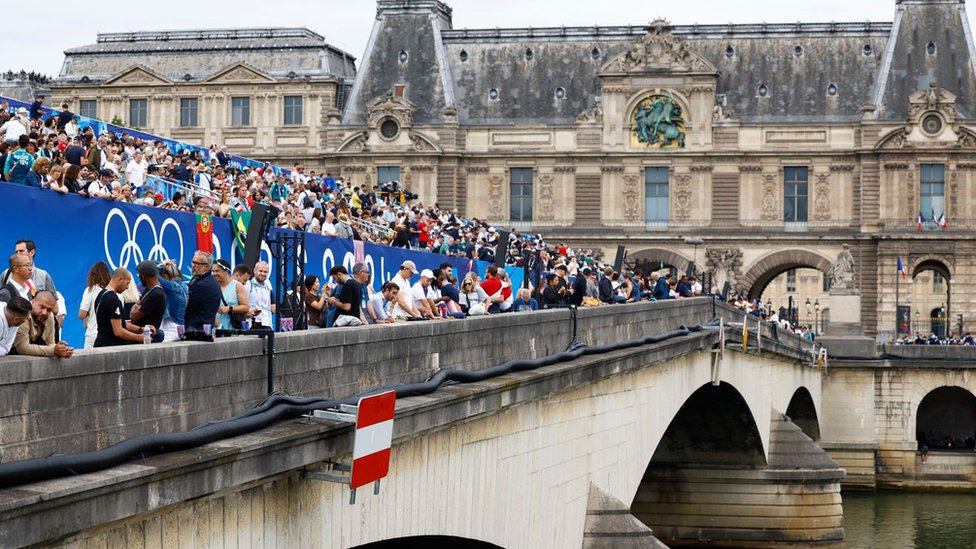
473 298
98 278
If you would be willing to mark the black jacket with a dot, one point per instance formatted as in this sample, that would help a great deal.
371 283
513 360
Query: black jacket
202 302
579 290
606 290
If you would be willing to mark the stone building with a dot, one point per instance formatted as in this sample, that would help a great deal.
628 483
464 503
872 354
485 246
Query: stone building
775 144
262 92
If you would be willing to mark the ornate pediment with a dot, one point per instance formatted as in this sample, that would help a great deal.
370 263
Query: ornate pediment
656 52
933 100
241 73
389 106
138 75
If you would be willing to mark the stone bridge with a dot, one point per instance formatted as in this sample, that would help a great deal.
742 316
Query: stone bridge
590 453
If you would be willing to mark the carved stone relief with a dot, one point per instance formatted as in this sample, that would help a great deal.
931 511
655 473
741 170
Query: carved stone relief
495 195
632 197
592 115
953 192
659 49
821 201
770 198
547 202
724 264
910 210
682 197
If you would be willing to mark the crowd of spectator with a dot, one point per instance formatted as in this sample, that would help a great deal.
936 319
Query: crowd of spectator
935 339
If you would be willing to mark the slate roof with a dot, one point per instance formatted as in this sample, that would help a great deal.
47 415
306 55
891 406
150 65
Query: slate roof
811 72
203 53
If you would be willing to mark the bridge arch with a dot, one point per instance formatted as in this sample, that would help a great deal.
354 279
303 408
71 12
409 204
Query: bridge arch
773 264
654 257
429 542
946 418
803 412
714 426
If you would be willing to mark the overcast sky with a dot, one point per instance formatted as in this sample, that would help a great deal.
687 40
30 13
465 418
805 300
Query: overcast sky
346 24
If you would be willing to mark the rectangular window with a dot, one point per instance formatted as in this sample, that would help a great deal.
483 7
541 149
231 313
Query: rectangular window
521 194
932 195
791 280
88 108
188 112
240 111
937 281
656 194
385 174
293 110
795 195
138 113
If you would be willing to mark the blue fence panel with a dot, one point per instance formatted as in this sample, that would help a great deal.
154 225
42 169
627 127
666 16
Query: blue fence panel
72 233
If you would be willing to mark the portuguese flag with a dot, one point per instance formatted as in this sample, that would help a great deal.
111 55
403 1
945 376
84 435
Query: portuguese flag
205 233
239 221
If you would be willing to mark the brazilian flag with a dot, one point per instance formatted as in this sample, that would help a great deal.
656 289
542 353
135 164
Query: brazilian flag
239 221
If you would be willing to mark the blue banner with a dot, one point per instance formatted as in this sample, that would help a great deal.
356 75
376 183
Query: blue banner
175 147
72 233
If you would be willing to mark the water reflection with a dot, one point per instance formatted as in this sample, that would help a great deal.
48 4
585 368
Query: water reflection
905 520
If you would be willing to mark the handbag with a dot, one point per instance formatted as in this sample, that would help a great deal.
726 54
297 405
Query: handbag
236 319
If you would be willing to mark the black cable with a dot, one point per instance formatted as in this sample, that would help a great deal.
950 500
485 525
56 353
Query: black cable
279 407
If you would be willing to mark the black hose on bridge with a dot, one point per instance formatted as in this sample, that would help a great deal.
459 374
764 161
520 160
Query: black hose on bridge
280 407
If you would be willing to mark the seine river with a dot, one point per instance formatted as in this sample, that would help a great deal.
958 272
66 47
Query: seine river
906 520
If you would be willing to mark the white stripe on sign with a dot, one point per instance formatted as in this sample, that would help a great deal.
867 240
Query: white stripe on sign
372 439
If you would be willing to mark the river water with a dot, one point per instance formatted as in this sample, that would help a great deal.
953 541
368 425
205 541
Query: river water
907 520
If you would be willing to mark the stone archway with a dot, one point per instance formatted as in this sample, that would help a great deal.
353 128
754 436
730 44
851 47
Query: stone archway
656 256
939 322
771 265
429 542
803 412
713 426
946 418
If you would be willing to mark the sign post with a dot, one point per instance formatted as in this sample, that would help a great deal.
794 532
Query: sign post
373 417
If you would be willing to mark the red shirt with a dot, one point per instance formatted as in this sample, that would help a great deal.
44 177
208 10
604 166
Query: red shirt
491 286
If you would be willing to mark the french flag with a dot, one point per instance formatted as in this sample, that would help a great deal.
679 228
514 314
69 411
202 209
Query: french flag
901 269
920 220
942 221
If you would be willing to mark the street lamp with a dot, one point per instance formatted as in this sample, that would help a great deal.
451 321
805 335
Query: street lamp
694 241
807 304
816 315
915 331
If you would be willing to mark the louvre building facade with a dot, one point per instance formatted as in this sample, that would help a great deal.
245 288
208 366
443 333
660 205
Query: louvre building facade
774 144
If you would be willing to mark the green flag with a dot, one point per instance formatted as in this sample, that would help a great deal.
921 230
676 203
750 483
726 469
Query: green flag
239 221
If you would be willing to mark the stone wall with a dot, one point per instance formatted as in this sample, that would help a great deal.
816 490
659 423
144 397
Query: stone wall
103 396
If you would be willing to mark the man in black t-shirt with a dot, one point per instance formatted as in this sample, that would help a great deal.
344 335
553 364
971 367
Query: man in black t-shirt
348 305
113 328
75 152
152 305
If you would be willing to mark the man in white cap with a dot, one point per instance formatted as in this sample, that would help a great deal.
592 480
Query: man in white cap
423 295
15 127
403 308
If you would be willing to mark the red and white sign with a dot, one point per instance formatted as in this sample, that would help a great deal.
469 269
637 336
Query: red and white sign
374 435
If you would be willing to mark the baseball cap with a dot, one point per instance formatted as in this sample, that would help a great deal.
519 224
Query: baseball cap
426 273
159 196
409 265
22 110
147 268
224 264
560 267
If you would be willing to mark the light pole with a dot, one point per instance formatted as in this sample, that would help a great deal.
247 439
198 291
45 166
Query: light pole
807 304
816 315
694 241
917 316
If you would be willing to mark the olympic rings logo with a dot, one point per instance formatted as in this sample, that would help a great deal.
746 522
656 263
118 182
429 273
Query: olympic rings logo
131 251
